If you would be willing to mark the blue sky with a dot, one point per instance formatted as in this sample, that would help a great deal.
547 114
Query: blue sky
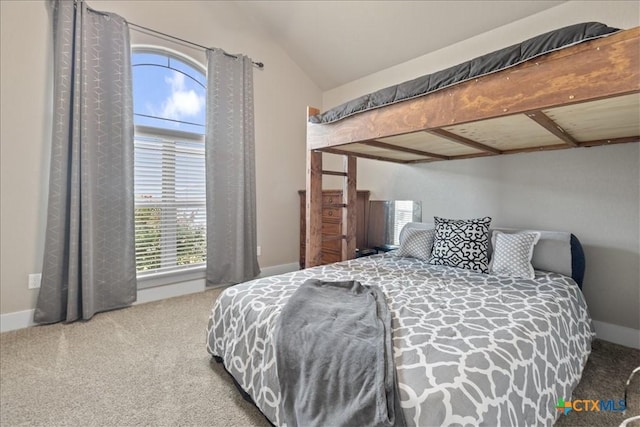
168 88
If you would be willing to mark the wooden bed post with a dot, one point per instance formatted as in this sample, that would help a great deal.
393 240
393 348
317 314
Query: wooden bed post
349 211
313 236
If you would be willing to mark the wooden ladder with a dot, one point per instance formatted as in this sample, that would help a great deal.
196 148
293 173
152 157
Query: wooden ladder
314 206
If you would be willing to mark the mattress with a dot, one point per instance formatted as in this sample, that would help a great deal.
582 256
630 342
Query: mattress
469 348
474 68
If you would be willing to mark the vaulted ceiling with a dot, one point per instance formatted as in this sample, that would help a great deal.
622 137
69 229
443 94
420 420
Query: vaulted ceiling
336 42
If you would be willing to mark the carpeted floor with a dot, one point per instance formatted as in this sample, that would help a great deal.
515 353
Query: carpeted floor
147 365
144 365
604 377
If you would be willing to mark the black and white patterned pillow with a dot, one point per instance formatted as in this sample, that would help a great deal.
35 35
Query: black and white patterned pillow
512 254
416 243
462 243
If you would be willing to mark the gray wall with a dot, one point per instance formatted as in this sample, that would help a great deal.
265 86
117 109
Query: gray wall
592 192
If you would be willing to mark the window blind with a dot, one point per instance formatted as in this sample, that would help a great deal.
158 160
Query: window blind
403 214
170 204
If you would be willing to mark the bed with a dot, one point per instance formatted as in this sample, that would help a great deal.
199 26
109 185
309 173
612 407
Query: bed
574 87
470 348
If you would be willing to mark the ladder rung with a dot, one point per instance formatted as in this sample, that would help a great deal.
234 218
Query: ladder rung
334 173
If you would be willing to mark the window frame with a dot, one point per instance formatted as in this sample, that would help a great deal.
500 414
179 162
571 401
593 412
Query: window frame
197 271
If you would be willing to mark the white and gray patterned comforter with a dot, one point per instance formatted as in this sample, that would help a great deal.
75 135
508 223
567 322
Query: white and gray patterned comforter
469 348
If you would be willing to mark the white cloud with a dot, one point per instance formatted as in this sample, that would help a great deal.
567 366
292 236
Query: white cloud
181 103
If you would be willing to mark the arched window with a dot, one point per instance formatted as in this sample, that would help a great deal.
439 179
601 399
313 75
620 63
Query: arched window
169 92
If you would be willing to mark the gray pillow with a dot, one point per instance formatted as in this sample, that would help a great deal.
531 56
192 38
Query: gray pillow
512 254
551 253
416 243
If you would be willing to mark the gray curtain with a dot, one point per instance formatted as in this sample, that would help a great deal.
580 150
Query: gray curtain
89 259
230 170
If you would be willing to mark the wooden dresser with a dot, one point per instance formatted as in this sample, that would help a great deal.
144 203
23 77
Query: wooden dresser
332 224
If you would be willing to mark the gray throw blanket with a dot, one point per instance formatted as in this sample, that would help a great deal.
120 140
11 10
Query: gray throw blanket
334 357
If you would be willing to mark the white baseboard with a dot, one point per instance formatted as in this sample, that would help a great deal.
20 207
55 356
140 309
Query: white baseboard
16 320
169 291
24 319
616 334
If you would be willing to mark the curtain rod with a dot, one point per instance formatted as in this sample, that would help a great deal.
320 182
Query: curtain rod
160 33
155 32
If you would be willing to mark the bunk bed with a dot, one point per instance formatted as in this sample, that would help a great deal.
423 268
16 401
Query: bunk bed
574 87
470 346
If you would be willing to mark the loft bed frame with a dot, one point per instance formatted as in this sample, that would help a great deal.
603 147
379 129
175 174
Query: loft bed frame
584 95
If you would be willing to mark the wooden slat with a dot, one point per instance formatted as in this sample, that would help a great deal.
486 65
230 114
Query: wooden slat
554 147
462 156
349 213
440 160
596 69
431 143
514 151
617 117
370 150
611 141
464 141
506 133
365 156
543 120
595 143
380 144
537 149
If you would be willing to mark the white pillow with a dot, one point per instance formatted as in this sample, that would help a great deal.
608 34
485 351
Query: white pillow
416 243
512 254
